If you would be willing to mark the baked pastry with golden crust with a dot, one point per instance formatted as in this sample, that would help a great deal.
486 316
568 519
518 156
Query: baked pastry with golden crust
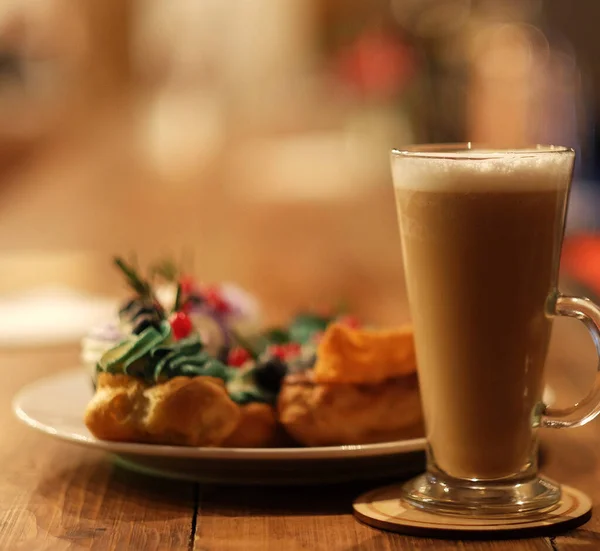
347 355
186 411
329 414
362 389
258 428
161 378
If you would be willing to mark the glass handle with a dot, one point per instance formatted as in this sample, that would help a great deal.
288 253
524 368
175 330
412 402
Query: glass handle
587 409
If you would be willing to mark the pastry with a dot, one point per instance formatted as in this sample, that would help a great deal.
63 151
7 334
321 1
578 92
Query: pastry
333 414
350 355
363 389
187 411
160 382
214 311
185 364
258 427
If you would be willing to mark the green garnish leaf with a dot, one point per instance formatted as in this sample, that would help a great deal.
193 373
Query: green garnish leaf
277 335
305 325
139 285
177 304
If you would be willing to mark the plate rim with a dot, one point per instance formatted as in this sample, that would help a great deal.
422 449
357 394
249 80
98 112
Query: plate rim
246 454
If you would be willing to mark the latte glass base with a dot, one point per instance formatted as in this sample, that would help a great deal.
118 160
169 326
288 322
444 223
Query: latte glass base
441 494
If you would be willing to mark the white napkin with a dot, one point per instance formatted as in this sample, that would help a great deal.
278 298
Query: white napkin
50 315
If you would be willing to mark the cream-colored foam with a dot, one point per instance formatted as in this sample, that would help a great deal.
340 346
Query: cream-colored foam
482 171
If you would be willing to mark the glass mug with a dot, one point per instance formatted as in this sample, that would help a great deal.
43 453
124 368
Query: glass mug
481 233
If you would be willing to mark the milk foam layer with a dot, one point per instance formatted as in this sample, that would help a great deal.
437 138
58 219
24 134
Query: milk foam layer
483 171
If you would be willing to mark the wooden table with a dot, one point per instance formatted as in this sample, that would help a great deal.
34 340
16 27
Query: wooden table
92 190
58 496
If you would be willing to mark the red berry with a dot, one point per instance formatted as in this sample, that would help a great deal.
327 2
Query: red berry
350 321
215 300
284 351
181 325
238 356
292 349
278 351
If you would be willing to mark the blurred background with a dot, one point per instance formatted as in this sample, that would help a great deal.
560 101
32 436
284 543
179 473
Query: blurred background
252 136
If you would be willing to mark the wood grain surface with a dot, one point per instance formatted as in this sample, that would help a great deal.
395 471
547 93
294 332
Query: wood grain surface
55 495
62 216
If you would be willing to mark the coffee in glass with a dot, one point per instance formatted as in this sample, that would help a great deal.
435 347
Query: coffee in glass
481 235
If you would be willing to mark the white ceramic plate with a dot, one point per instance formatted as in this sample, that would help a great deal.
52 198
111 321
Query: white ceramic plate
55 406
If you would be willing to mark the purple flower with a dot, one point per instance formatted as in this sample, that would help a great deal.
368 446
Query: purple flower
107 332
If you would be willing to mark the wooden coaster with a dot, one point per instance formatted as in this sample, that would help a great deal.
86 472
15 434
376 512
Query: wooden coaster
383 508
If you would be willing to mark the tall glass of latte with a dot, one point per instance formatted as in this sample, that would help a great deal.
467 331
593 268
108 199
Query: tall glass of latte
481 235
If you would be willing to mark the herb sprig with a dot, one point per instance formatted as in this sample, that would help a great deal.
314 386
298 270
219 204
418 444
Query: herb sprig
139 284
